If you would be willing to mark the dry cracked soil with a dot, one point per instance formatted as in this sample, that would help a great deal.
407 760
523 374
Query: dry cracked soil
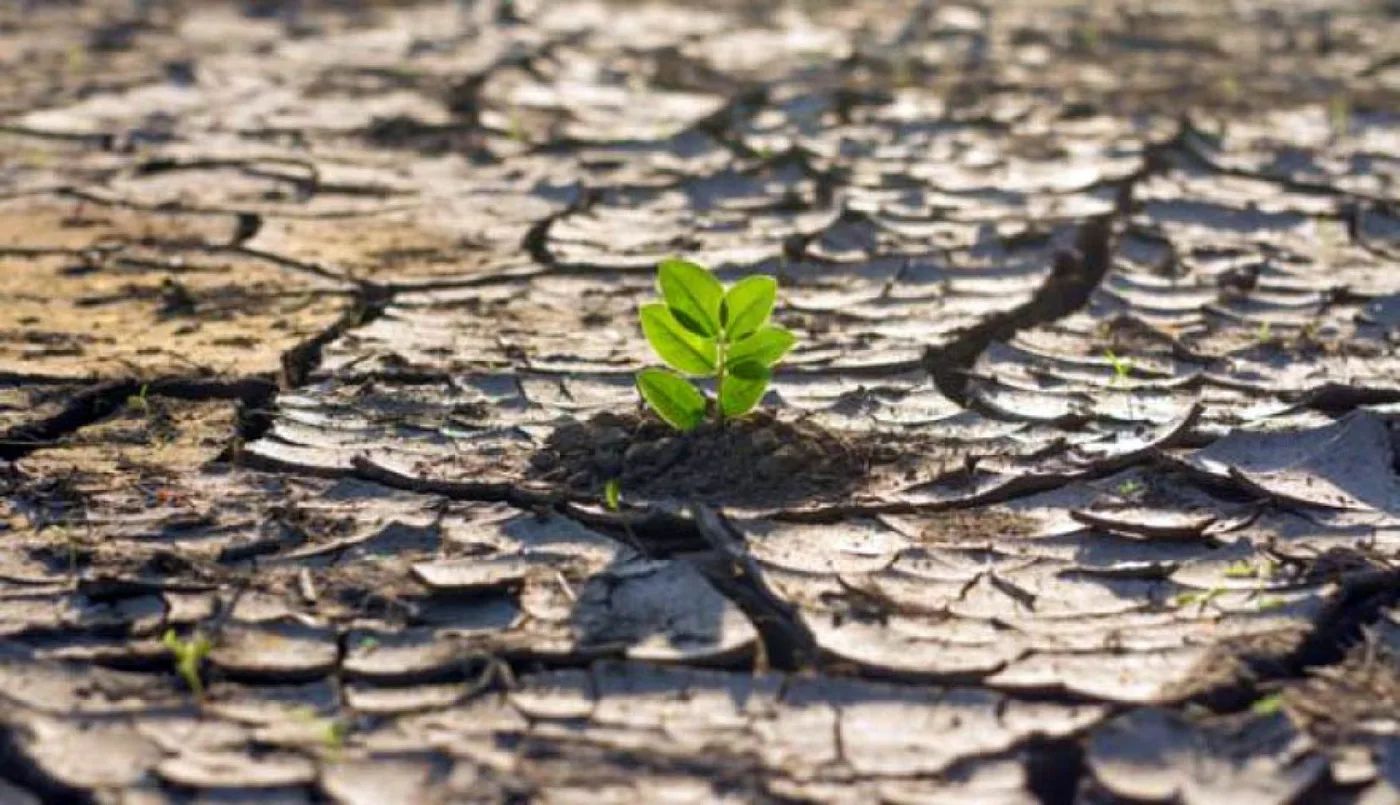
317 330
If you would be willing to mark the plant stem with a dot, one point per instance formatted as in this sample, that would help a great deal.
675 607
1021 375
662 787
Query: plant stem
719 378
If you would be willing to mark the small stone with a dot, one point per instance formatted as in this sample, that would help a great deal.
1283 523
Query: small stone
570 438
765 441
610 436
610 419
608 463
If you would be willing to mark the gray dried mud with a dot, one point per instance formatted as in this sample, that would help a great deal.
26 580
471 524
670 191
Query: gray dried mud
317 336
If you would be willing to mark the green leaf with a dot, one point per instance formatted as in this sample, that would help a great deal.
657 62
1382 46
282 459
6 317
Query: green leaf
612 494
693 294
743 388
747 305
766 347
672 397
676 345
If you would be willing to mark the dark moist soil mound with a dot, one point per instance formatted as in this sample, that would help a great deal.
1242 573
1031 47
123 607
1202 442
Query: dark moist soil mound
757 460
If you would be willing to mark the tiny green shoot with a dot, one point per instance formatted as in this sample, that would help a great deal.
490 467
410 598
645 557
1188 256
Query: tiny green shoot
1308 334
1122 367
702 329
1339 115
1130 488
1086 37
1200 597
1265 333
188 654
1267 705
1245 569
612 494
141 400
330 732
516 130
1230 88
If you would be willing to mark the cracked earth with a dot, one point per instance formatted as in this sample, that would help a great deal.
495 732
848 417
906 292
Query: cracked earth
317 336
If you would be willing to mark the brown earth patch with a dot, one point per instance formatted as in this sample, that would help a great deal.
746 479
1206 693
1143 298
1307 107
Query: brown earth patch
756 460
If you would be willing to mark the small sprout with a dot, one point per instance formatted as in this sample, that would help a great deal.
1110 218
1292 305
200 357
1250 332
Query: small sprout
334 735
1132 487
1268 705
1245 569
702 329
330 731
1339 115
1309 332
1265 333
141 400
904 73
1269 602
1086 37
1201 597
612 494
517 130
369 643
189 654
1122 367
1230 88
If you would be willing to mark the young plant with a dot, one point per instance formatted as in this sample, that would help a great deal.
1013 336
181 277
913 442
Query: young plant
702 329
188 655
141 400
1122 367
1122 371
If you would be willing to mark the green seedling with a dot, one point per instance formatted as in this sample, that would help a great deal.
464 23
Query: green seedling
702 329
188 654
1130 488
1268 705
516 130
612 495
1230 88
1199 597
1339 115
1308 333
1245 569
1122 367
141 400
1086 37
1265 333
330 732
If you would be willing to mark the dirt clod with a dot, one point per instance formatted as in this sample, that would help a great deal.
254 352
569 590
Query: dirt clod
758 459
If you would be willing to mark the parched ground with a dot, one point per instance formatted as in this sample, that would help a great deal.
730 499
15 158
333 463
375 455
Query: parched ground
316 344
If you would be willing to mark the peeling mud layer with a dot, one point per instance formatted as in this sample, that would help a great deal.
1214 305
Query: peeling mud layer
317 343
757 460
